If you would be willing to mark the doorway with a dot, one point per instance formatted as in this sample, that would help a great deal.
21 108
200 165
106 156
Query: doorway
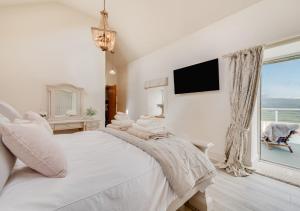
110 103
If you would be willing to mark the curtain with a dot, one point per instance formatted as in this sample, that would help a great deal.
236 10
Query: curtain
245 68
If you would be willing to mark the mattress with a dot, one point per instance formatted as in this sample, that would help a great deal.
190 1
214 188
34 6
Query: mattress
104 173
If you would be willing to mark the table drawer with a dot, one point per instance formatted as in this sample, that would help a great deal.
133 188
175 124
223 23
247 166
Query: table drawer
94 125
68 126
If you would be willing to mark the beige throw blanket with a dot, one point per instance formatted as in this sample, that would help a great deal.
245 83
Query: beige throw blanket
183 164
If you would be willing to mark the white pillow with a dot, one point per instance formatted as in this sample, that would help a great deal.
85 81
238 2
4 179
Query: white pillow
32 144
33 116
7 160
9 112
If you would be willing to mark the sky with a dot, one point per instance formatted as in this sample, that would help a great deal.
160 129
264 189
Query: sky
281 80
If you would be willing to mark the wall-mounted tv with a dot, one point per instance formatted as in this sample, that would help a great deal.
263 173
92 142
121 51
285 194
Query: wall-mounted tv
197 78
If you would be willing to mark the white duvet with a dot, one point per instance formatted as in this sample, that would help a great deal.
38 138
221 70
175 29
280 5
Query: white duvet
104 173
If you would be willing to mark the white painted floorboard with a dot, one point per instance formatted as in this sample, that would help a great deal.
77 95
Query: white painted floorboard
253 193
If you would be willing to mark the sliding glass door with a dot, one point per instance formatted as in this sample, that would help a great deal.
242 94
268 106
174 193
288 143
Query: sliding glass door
280 109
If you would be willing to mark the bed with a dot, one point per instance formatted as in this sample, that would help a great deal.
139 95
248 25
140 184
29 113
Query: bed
104 173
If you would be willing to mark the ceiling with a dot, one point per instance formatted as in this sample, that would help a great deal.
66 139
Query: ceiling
16 2
146 25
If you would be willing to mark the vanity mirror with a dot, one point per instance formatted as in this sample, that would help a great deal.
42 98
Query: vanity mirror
65 101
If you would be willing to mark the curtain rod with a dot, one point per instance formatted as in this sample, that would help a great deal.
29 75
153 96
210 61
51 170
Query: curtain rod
282 42
270 45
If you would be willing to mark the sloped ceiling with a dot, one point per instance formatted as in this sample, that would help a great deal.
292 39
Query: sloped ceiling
146 25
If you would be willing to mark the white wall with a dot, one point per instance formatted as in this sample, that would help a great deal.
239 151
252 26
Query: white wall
205 116
44 44
110 79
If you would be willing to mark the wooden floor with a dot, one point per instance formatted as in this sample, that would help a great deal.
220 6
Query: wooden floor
255 193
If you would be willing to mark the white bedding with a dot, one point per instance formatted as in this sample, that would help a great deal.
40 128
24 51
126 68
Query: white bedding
104 173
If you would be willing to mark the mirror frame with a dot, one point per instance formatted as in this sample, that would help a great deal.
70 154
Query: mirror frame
51 100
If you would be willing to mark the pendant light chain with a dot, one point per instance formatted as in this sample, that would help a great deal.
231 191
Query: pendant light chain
104 17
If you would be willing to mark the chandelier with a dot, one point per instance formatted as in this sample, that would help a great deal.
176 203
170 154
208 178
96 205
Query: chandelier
103 36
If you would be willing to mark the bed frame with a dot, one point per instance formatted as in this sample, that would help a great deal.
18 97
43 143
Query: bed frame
197 198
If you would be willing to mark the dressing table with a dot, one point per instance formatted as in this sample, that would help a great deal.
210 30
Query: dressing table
65 109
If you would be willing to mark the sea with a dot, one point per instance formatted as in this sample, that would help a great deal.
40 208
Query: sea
292 116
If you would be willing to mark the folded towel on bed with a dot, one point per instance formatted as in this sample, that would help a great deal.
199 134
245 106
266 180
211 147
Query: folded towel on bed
150 122
122 123
139 133
117 127
150 129
146 135
121 116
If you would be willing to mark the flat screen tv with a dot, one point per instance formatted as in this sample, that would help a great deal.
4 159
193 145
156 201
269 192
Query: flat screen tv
197 78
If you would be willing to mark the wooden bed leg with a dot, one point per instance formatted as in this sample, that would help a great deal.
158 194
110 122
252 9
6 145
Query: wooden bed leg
201 202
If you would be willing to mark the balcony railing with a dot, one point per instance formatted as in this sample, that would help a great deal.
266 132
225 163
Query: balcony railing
281 114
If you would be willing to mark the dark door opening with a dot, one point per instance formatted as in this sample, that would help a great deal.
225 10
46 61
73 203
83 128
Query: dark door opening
110 103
